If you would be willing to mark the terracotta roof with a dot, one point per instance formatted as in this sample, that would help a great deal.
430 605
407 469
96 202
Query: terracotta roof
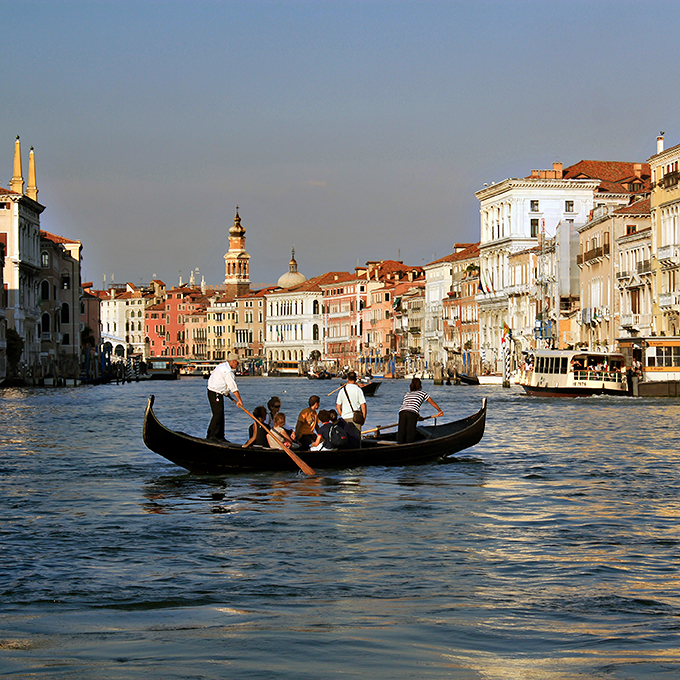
56 239
340 277
471 251
312 284
614 175
641 207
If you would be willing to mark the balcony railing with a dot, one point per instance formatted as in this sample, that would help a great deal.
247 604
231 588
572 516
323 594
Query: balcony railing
668 254
593 254
644 267
668 299
669 180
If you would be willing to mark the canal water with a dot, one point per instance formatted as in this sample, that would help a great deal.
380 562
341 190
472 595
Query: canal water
550 550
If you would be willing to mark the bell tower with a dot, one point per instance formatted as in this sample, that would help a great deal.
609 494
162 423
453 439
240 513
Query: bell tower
236 261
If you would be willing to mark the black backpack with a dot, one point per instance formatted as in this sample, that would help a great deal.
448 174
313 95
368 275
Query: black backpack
337 436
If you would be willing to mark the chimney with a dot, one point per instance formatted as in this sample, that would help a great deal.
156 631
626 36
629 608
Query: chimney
659 143
637 169
557 168
536 173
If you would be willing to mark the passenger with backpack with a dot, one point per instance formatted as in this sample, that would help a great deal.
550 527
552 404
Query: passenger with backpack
331 434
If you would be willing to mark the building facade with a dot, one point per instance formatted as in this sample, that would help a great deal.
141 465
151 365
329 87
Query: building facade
20 233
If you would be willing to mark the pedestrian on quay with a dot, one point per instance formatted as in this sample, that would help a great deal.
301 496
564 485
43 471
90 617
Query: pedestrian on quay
221 384
305 428
409 413
351 403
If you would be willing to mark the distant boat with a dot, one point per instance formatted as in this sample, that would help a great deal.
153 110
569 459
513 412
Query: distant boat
466 379
494 379
158 368
568 373
369 389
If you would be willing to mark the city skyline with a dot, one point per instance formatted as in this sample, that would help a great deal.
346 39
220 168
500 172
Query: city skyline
351 131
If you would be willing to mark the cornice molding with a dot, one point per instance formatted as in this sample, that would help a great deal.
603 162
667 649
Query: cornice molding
535 183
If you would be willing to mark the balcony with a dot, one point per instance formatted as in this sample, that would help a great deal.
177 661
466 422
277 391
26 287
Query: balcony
644 267
622 275
593 254
629 320
668 300
668 254
669 180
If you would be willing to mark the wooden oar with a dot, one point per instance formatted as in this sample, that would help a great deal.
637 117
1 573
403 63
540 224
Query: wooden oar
386 427
377 429
296 459
337 390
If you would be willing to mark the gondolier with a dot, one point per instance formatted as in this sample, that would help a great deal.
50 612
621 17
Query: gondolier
220 384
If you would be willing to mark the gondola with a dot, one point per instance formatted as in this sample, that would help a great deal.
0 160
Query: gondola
203 457
466 379
369 389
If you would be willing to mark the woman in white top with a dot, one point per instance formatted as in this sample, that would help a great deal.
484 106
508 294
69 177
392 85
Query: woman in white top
409 413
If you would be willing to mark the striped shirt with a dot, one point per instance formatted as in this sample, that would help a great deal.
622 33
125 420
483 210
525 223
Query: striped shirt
413 401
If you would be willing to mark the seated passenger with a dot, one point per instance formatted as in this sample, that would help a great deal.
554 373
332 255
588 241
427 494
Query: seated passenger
257 434
278 436
322 441
352 434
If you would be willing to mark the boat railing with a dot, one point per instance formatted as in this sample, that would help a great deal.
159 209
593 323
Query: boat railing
603 376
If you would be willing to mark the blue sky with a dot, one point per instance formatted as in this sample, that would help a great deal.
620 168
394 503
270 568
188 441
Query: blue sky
348 130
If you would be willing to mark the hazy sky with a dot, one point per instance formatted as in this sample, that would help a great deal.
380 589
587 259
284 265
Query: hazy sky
351 130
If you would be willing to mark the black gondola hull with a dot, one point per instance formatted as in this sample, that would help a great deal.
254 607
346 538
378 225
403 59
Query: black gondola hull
204 457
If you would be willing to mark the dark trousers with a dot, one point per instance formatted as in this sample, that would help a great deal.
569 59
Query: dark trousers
305 441
407 427
216 427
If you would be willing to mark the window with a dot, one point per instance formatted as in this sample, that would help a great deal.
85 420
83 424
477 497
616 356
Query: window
45 259
65 314
66 282
631 228
569 206
45 290
534 206
534 228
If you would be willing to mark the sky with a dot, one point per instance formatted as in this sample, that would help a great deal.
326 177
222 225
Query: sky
348 130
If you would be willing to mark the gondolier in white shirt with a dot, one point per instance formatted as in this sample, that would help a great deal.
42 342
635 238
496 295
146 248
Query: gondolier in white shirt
220 384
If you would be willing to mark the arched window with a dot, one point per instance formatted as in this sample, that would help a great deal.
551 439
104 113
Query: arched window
315 332
45 322
315 307
45 290
65 313
45 259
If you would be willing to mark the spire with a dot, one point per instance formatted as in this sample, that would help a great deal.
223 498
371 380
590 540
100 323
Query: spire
17 182
237 230
32 188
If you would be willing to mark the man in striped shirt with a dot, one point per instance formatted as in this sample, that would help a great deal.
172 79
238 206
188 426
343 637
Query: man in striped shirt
409 413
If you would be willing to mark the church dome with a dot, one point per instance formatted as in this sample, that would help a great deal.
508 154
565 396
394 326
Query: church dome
237 229
292 277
